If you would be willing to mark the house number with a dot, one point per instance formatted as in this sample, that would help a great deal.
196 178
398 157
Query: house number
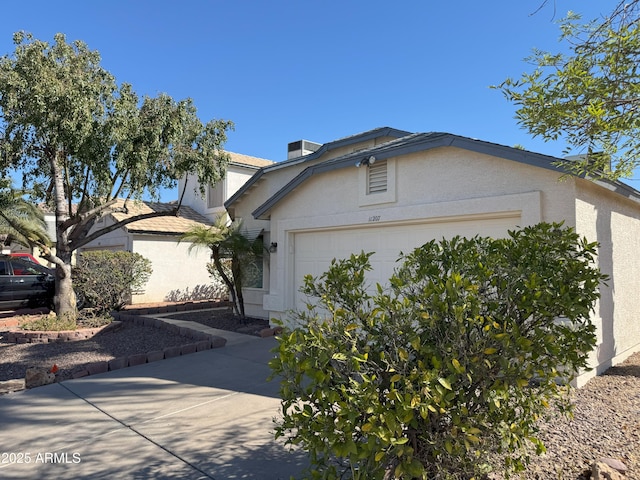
374 218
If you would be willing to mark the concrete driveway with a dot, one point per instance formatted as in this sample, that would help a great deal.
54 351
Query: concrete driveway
206 415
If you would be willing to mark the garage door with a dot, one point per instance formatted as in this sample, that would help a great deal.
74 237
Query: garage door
314 250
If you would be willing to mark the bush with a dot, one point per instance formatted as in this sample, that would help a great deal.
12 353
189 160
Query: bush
105 280
473 342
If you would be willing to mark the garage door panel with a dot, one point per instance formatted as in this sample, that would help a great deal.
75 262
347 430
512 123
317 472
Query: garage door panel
315 250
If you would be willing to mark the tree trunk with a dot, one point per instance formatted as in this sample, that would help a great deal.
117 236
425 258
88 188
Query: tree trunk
236 270
215 254
64 299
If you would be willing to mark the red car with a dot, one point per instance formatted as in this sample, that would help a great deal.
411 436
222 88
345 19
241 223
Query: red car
25 256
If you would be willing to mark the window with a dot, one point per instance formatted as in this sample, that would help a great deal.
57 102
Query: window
254 270
215 195
377 177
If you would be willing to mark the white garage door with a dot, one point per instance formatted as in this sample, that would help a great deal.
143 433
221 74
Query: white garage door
315 250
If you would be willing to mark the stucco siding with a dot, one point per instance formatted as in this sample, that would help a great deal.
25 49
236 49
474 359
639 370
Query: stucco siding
177 273
235 177
440 188
613 222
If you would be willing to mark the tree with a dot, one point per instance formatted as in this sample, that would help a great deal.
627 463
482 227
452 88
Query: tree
227 242
446 370
80 142
589 97
21 221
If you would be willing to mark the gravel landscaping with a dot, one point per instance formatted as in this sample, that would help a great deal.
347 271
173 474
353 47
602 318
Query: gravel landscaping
606 421
127 340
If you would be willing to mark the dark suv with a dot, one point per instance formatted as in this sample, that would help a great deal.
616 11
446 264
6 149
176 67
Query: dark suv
24 284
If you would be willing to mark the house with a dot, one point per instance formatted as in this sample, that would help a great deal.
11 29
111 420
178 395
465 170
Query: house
239 170
178 274
387 191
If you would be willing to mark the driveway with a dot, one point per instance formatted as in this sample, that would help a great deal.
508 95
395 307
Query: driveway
206 415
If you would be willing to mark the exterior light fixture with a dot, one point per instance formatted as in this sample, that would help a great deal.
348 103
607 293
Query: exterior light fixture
273 248
366 161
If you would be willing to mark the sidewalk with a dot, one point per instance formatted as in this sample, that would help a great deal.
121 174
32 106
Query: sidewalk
205 415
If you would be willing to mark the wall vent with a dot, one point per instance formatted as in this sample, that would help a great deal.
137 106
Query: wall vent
377 177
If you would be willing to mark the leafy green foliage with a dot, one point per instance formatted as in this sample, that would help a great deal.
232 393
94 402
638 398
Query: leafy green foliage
589 97
235 257
473 342
80 141
22 221
105 280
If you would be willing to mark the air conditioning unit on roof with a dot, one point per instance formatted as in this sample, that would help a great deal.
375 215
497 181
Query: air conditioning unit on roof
301 148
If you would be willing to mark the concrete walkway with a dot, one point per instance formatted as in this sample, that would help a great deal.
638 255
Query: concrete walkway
207 415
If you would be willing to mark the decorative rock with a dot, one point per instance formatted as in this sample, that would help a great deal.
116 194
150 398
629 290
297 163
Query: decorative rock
615 464
36 377
8 386
602 471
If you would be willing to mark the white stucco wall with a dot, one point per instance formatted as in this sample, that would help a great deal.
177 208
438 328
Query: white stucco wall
613 222
442 185
235 177
178 274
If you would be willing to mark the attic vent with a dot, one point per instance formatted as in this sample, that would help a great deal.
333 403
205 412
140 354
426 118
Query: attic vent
301 148
377 177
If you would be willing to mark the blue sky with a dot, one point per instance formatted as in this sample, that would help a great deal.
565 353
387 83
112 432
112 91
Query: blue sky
291 70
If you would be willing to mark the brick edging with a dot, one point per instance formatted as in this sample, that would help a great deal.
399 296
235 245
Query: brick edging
174 307
51 336
200 341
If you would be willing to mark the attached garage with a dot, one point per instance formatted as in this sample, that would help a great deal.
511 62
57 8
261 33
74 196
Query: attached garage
314 250
388 191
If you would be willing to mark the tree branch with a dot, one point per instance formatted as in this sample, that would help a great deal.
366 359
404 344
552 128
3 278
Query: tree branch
98 233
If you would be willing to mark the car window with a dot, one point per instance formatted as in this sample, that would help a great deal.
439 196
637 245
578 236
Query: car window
25 268
3 268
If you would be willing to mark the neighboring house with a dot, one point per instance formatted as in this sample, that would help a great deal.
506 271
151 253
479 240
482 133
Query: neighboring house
240 169
178 274
388 191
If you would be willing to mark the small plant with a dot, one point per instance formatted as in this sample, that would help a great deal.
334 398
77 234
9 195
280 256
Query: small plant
474 341
105 280
49 323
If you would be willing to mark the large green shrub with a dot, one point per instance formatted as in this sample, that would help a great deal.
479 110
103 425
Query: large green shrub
105 280
451 366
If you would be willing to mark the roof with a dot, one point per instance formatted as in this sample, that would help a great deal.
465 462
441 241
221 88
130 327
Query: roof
169 224
342 142
418 142
248 161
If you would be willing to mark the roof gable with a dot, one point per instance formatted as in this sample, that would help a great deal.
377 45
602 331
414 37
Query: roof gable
418 142
342 142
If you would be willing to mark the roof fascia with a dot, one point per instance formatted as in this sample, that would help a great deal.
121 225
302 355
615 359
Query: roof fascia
425 142
361 137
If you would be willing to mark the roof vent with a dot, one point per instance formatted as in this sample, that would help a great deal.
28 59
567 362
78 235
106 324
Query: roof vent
301 148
